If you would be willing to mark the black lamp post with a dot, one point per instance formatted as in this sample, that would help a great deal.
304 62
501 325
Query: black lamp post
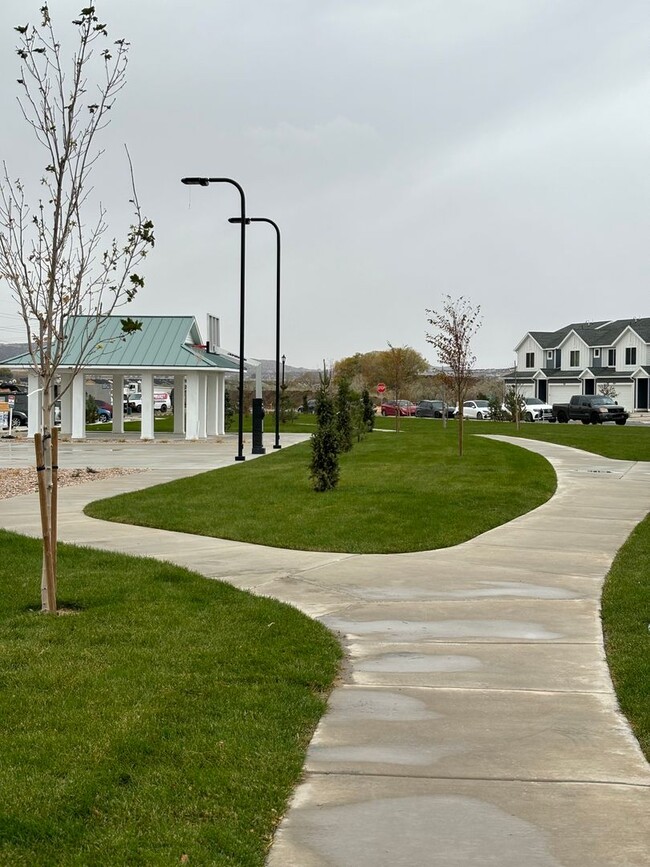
277 319
204 182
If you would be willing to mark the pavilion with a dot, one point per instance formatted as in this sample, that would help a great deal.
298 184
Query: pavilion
165 346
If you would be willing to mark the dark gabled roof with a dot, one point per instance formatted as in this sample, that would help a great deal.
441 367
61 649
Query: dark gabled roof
563 374
552 339
166 342
602 333
610 332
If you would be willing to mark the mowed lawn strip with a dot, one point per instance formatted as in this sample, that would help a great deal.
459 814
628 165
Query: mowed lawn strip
165 715
629 443
626 628
398 492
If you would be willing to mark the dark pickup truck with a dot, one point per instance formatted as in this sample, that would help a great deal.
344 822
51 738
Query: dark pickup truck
589 409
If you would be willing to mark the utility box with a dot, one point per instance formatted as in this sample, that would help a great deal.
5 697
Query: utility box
258 426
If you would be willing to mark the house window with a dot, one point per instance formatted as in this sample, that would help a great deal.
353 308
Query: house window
530 359
574 358
549 355
611 358
630 355
596 353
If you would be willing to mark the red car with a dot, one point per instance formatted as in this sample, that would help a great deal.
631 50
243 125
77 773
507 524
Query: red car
398 407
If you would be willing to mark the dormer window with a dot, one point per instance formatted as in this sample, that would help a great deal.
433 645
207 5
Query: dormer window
630 355
574 358
530 359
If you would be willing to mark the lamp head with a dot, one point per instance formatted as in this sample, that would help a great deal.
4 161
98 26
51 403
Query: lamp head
238 220
199 182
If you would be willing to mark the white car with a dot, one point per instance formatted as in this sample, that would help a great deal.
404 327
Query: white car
536 409
161 401
475 409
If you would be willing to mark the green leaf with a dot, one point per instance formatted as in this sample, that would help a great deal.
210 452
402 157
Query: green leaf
130 325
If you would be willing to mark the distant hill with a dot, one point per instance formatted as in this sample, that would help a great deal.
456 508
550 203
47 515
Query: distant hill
9 350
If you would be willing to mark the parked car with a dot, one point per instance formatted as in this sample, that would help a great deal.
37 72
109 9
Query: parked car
590 409
18 419
534 410
475 409
433 409
161 401
398 407
104 411
537 410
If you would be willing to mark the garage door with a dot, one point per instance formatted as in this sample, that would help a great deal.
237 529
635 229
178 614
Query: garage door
560 393
625 395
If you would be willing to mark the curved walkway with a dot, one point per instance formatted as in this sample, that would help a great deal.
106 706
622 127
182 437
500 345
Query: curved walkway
476 722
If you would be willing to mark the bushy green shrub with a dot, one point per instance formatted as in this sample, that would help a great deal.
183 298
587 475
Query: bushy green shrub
325 441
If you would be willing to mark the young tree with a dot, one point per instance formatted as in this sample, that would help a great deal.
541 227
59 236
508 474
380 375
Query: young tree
515 405
400 366
53 255
368 411
607 389
324 466
455 326
344 415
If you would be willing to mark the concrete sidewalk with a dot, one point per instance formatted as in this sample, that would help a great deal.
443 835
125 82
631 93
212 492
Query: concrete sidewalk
476 722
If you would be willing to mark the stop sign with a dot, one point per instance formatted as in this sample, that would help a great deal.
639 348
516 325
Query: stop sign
381 388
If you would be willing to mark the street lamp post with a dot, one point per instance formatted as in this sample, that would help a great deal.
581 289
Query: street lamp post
204 182
277 318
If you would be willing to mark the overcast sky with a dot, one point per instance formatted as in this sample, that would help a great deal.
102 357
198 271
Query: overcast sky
496 149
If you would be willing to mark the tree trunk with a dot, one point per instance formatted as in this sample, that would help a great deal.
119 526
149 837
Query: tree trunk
48 581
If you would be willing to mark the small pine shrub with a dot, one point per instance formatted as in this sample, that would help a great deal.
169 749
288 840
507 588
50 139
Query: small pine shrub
324 465
368 410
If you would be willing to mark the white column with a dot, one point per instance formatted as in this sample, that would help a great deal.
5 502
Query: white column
34 404
221 404
118 403
78 407
66 403
203 405
192 425
179 404
146 422
212 421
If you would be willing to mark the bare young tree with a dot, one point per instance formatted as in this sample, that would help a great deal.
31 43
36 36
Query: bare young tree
608 389
55 258
455 325
399 367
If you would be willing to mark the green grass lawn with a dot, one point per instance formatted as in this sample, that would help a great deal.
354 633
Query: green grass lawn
630 443
398 492
626 627
166 715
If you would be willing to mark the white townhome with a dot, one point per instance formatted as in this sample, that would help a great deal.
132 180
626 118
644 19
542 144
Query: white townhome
581 357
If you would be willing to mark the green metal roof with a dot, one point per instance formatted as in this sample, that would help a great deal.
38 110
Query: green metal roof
165 342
